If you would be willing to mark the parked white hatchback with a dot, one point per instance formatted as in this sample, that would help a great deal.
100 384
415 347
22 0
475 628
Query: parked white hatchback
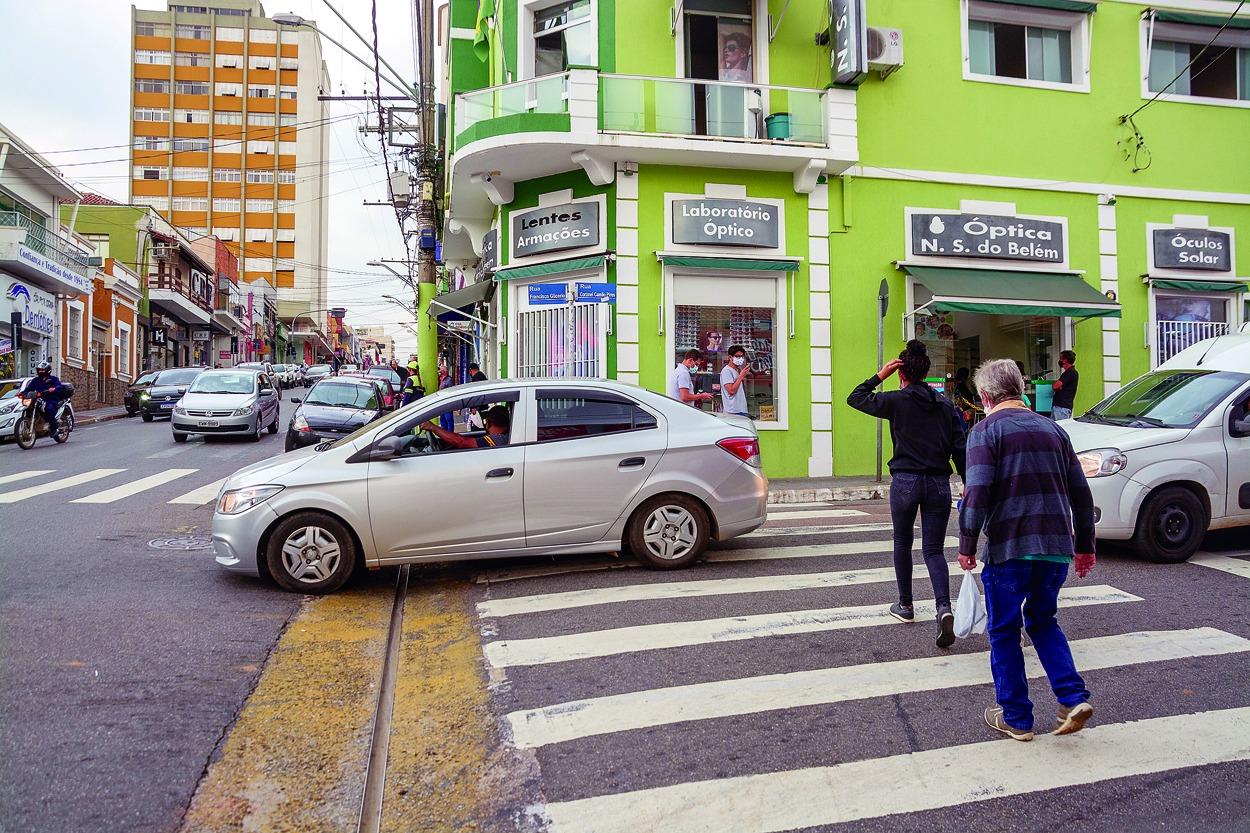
1168 455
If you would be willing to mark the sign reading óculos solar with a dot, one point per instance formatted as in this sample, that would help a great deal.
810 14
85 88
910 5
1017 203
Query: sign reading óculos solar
555 228
987 236
1193 248
726 223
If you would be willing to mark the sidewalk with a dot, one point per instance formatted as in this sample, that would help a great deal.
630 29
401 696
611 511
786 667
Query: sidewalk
809 489
99 415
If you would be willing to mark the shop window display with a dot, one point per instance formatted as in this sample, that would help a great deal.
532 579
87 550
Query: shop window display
713 330
1182 320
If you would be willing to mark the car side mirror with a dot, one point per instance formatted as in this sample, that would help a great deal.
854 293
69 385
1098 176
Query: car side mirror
387 449
267 392
296 400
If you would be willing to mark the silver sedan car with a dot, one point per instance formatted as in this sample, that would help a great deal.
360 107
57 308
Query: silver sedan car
564 466
238 402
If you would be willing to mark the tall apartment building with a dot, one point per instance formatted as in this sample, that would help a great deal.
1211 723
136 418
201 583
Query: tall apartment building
229 139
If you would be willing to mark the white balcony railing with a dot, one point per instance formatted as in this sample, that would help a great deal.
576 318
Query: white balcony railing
1171 337
548 94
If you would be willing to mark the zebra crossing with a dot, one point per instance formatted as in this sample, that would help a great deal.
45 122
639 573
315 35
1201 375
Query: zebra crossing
600 670
114 492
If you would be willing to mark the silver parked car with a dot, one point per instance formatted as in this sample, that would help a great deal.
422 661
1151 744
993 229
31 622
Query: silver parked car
239 402
564 466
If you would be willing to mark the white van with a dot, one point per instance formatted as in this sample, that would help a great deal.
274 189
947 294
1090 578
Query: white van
1168 455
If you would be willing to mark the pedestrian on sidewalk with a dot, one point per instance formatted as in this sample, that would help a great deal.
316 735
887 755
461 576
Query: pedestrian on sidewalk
680 384
1025 489
1065 387
733 377
927 433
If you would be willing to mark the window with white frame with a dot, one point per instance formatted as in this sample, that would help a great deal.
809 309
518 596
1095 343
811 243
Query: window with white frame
190 203
151 114
193 31
151 30
227 61
262 119
151 143
155 203
191 116
261 61
1186 318
259 235
191 174
260 90
191 87
286 119
288 63
74 329
564 34
149 85
226 204
196 231
260 147
227 117
124 348
286 148
230 33
227 88
568 340
191 145
1025 44
1180 62
227 175
151 172
192 59
226 232
260 175
259 206
263 35
286 206
286 177
286 235
152 56
288 93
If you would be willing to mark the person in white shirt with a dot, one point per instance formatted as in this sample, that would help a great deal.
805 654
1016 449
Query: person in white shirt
733 377
680 385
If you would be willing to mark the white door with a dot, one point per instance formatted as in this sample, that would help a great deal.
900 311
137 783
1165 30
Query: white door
1238 448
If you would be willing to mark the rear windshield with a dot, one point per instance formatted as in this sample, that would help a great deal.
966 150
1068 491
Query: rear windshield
181 376
343 395
1167 398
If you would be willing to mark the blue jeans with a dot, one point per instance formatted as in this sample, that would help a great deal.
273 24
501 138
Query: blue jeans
1060 413
1026 593
931 495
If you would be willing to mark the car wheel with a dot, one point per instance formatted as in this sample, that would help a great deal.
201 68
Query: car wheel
180 438
668 532
273 426
311 553
1170 526
255 435
131 411
289 445
147 417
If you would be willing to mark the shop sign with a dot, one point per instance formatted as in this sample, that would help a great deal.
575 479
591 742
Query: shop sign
547 294
37 308
6 346
199 335
850 42
987 236
595 293
1193 248
707 222
490 252
223 354
555 228
158 338
55 270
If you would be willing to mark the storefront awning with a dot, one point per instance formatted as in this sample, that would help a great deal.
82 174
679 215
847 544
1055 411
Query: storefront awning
1200 286
1000 292
450 305
1082 6
1202 19
539 270
740 263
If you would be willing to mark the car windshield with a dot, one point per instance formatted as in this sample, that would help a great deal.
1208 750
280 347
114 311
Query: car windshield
10 387
147 378
384 373
182 376
319 368
279 368
223 383
1167 398
343 395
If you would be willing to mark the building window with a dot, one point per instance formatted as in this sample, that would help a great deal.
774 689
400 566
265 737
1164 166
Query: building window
259 235
190 204
288 63
287 148
262 119
151 143
225 233
196 231
191 145
286 235
228 89
227 61
1222 71
262 176
1184 320
261 61
286 177
151 30
227 117
1027 44
232 12
123 349
563 34
260 147
147 85
143 172
228 145
191 88
286 119
155 203
286 206
74 331
260 206
191 116
192 59
261 91
566 340
229 33
151 114
193 31
714 329
263 35
149 56
227 175
226 204
191 174
189 10
288 93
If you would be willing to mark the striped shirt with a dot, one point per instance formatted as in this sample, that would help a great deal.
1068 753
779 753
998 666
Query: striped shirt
1025 489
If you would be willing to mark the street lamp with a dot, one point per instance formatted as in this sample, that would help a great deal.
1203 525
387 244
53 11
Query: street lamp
387 266
295 21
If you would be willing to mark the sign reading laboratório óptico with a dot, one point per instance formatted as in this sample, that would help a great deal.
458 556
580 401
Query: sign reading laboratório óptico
726 223
987 236
555 228
1193 248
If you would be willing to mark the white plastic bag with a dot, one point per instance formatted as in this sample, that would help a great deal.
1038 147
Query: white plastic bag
970 616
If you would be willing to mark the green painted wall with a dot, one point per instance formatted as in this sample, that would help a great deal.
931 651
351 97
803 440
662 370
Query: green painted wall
121 223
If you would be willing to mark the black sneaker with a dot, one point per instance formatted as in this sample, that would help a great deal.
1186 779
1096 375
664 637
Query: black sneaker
902 612
946 627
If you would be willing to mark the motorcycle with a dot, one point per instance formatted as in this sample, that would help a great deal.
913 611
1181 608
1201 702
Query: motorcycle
32 424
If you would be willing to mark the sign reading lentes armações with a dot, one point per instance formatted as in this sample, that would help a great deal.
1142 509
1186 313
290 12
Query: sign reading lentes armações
555 228
987 236
726 223
1193 248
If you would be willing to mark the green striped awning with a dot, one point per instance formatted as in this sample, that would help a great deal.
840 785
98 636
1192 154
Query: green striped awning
1242 22
741 263
554 267
1001 292
1200 286
1082 6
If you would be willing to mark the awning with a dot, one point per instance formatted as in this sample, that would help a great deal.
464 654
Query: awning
1082 6
450 305
741 263
1200 286
538 270
1000 292
1202 19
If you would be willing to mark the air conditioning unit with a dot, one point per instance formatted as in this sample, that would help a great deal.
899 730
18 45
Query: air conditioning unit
160 252
885 49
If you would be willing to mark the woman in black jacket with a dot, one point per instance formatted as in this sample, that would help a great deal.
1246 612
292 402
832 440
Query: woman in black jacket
927 433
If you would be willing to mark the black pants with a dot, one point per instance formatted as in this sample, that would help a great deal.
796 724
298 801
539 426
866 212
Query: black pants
50 408
931 495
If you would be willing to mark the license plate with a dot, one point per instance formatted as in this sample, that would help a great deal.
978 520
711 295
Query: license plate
167 406
208 423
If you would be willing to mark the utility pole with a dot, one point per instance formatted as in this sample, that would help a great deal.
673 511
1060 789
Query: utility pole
427 218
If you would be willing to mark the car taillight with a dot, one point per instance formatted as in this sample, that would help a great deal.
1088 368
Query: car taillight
746 449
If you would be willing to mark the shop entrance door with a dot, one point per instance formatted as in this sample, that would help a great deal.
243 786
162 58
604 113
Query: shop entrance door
718 48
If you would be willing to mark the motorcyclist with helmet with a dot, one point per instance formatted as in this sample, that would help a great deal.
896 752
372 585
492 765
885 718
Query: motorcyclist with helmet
46 386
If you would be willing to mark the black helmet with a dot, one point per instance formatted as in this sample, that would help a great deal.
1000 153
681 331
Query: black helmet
42 366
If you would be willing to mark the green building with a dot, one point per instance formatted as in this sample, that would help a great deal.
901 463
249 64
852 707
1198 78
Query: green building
1026 177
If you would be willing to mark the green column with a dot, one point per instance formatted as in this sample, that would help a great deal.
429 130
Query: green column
427 337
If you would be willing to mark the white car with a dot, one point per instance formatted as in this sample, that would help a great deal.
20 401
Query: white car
1168 455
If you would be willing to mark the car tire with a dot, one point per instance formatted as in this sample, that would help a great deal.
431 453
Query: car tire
668 532
273 426
289 445
254 437
323 570
180 438
1170 526
131 411
147 417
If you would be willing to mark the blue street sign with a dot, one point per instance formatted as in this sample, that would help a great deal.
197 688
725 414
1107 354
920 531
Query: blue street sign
548 293
596 293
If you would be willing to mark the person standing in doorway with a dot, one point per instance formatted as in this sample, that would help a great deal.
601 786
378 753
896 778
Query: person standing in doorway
927 434
475 373
1025 489
733 378
1065 387
680 384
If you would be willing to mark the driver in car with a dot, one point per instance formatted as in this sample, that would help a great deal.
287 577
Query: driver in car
498 425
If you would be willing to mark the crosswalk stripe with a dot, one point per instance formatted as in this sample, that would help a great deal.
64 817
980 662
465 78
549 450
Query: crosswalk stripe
723 698
810 550
815 513
688 590
543 570
1226 563
201 495
135 487
840 529
23 475
625 640
933 778
57 485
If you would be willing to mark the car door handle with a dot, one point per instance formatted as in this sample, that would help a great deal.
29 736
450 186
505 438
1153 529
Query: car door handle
498 473
632 462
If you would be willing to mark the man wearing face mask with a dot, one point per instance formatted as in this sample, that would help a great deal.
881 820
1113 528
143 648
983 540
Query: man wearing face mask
732 379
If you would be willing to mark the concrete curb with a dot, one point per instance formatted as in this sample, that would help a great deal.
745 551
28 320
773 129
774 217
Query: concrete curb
93 420
877 491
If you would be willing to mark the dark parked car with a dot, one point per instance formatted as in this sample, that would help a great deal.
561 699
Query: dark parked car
390 393
131 397
166 391
315 373
334 408
386 373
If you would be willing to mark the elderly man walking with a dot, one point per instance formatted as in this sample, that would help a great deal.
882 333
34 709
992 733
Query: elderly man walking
1025 489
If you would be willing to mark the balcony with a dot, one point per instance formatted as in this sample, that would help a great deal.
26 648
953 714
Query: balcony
172 295
42 256
583 118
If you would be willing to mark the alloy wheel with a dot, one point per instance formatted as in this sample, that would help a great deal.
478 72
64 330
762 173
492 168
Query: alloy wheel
310 554
670 532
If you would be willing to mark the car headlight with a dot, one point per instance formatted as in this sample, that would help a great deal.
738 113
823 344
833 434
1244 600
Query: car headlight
181 411
1102 462
9 408
145 395
240 500
299 423
242 411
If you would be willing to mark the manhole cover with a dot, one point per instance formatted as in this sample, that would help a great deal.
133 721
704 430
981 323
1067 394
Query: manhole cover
182 542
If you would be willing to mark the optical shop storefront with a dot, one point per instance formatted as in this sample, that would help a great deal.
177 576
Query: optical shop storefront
986 287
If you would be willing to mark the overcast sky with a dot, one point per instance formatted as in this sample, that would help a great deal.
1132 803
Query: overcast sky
66 71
